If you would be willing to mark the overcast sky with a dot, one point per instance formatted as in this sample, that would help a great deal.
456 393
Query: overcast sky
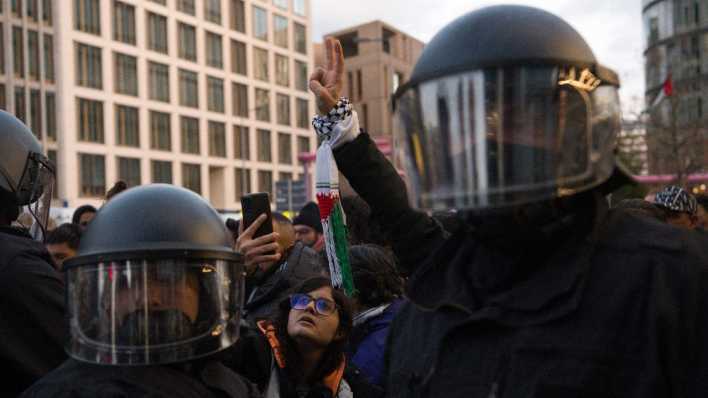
613 28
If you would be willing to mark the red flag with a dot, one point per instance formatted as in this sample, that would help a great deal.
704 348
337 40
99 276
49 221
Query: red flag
666 91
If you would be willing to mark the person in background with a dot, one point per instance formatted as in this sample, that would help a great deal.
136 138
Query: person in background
300 351
679 206
702 214
308 227
378 298
117 188
641 207
63 242
83 216
275 264
361 227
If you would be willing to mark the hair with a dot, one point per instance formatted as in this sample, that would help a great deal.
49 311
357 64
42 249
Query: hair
76 218
65 233
334 352
702 200
362 227
118 187
375 275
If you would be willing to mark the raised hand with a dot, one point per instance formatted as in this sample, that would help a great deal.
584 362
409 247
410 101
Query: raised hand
326 82
257 252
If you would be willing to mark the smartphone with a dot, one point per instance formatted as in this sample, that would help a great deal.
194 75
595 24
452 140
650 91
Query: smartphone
252 206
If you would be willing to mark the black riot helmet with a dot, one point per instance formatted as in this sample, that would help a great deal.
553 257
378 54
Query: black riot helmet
26 175
506 106
155 281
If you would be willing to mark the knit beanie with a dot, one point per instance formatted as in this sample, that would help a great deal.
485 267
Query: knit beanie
309 215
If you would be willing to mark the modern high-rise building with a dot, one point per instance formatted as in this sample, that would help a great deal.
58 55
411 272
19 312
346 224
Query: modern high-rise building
379 58
676 62
207 94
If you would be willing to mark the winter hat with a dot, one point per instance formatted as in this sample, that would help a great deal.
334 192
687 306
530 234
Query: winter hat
676 199
309 215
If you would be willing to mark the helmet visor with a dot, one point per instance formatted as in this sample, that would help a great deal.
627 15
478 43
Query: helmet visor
506 136
35 194
152 312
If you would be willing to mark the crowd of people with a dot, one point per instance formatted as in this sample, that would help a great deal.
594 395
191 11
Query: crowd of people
497 269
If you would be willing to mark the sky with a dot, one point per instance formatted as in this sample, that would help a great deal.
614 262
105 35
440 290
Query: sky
613 28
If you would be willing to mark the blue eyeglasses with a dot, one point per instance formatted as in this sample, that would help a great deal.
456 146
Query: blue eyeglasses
323 306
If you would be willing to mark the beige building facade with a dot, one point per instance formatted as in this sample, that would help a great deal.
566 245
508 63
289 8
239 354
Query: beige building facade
206 94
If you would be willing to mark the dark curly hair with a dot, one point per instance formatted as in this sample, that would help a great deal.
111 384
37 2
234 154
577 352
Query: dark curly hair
335 351
376 277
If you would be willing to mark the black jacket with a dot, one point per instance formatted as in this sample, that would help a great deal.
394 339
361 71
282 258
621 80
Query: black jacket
32 327
617 307
302 263
76 379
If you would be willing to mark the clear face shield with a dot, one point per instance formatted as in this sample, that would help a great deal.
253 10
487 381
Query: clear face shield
148 312
502 137
35 190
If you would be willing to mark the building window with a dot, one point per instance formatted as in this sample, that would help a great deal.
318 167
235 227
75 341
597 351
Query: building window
159 74
52 155
300 34
161 172
299 7
260 64
238 15
301 77
303 113
127 126
262 105
212 11
265 181
47 11
157 33
238 57
365 112
190 135
280 31
242 182
188 88
303 146
242 143
264 147
16 6
36 113
186 6
87 16
192 177
90 120
282 71
359 84
239 93
88 66
283 106
3 97
33 50
187 42
93 175
163 2
285 148
217 139
48 57
51 115
2 48
126 74
123 22
260 23
20 106
129 171
214 50
18 52
215 94
160 131
33 10
281 4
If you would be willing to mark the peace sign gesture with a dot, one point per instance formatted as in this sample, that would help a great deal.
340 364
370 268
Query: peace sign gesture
326 83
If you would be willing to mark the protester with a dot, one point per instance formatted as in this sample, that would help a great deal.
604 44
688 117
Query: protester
379 291
31 290
83 216
509 119
275 264
300 351
151 320
361 226
680 207
641 207
62 243
308 227
702 213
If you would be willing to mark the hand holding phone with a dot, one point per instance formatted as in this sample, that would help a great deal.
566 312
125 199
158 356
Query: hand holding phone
252 206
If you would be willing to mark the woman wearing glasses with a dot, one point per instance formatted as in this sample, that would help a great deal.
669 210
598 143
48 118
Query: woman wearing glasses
300 352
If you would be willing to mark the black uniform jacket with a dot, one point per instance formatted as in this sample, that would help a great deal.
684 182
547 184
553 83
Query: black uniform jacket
619 309
32 327
76 379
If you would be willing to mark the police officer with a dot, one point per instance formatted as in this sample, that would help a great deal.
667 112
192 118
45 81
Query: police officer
31 291
541 291
154 294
